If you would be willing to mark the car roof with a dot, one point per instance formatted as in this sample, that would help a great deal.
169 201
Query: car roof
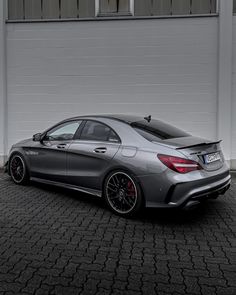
129 119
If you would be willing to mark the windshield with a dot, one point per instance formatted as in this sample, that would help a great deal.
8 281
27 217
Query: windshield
157 130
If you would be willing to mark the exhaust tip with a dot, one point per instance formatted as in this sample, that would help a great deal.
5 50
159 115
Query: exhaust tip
191 205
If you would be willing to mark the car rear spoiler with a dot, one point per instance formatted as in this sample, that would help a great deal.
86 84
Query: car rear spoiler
199 144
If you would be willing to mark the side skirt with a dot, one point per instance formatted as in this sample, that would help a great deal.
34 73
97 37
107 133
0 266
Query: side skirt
93 192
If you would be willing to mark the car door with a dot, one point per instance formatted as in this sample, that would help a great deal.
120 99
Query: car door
90 153
48 157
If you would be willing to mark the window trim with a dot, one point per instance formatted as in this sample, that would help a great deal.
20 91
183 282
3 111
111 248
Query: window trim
80 130
60 124
105 15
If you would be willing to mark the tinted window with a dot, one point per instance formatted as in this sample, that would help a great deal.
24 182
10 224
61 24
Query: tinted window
98 132
157 130
65 131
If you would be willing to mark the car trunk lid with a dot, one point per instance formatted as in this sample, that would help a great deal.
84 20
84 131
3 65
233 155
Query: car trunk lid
205 152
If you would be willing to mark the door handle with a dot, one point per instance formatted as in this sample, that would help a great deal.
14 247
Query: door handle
100 150
61 146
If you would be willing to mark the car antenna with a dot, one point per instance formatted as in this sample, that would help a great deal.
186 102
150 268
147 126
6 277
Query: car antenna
148 118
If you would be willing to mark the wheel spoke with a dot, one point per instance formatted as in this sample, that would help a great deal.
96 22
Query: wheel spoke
116 180
112 189
111 184
114 197
130 205
20 174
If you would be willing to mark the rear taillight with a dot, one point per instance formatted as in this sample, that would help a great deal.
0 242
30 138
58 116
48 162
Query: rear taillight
179 165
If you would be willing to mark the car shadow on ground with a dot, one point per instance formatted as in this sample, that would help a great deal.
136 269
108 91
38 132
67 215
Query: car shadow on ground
168 217
147 215
179 216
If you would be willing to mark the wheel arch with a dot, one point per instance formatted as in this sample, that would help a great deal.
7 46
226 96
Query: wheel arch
129 172
21 153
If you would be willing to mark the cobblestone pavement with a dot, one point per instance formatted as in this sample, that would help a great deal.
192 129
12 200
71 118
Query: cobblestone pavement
54 241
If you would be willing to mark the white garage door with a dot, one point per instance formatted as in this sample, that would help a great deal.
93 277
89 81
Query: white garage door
163 67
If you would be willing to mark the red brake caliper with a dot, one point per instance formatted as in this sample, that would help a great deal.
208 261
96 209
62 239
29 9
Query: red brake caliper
131 189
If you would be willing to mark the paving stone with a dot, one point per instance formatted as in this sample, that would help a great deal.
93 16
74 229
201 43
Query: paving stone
54 241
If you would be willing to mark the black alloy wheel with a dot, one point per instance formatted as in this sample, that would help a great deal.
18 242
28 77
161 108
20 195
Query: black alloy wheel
18 170
122 193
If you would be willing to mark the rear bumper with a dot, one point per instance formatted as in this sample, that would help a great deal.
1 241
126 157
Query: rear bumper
186 194
179 194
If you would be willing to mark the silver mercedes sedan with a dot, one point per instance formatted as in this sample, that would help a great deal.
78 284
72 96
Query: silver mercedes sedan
130 161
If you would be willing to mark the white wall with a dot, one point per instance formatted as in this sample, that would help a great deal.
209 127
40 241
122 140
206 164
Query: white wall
163 67
225 69
234 97
2 83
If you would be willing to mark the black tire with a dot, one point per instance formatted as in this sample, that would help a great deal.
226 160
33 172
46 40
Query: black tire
18 169
123 194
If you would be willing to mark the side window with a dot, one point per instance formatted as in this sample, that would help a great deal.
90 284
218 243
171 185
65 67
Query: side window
98 132
65 131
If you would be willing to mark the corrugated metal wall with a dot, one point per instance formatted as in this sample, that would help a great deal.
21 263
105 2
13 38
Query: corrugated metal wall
175 7
167 68
56 9
50 9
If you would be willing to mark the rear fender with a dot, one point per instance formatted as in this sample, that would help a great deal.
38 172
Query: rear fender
126 170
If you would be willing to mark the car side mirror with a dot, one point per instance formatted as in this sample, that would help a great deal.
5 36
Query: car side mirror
37 137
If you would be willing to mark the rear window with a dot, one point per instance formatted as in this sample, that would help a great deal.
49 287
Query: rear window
157 130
